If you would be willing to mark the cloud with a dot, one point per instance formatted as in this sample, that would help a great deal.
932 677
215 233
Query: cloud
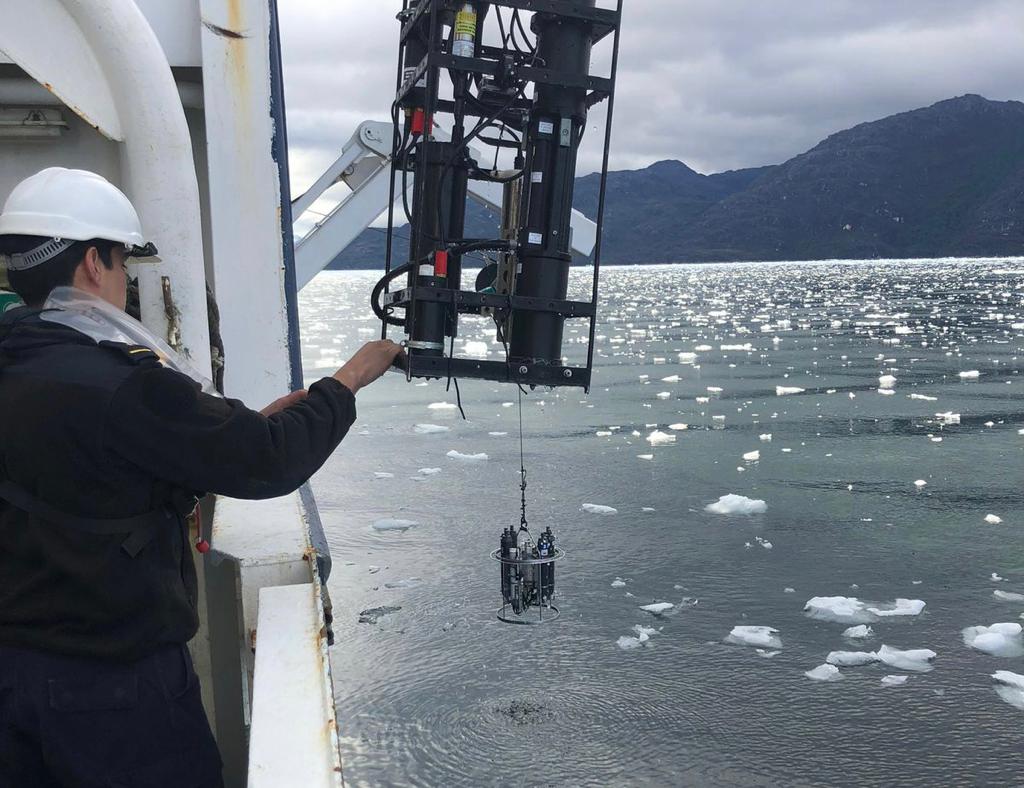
719 85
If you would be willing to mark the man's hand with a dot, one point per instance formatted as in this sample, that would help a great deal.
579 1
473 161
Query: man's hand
370 362
285 402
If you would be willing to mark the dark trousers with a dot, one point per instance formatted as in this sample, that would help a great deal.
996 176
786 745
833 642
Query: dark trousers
74 722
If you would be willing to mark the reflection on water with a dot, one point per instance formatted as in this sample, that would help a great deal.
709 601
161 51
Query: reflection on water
910 372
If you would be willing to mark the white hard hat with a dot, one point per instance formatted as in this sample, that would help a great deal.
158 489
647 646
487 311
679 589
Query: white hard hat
66 206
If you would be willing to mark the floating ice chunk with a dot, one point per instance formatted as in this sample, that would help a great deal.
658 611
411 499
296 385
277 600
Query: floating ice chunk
428 471
458 455
1007 596
996 578
970 374
840 609
617 583
849 659
886 392
901 607
383 475
1010 687
670 379
441 406
918 659
475 349
859 631
949 417
703 348
659 438
894 681
752 456
920 483
686 358
783 390
657 608
679 427
766 437
766 653
714 389
394 524
497 434
430 429
824 673
886 381
788 590
763 637
647 509
626 642
596 508
993 519
643 632
999 640
736 504
924 397
664 394
645 456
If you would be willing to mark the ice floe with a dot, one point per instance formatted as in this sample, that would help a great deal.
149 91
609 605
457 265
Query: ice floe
848 659
924 397
970 374
659 438
596 508
737 504
428 471
441 406
999 640
383 475
886 381
618 582
458 455
993 519
657 608
1010 687
894 681
762 637
430 429
643 634
918 660
858 632
1008 596
752 456
781 391
850 610
824 673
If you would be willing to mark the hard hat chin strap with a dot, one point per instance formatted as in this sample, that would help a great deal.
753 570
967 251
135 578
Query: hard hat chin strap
21 261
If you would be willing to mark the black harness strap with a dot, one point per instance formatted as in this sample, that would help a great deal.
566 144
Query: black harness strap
140 529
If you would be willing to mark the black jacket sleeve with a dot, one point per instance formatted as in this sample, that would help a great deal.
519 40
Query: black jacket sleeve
160 421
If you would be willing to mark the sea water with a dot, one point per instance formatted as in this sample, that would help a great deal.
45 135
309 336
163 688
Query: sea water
793 511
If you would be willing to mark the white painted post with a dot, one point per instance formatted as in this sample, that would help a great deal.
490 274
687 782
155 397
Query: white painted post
245 199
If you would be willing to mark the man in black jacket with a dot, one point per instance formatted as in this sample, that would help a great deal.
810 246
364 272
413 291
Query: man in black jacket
103 450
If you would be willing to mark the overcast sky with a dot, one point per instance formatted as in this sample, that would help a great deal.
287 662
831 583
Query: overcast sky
718 84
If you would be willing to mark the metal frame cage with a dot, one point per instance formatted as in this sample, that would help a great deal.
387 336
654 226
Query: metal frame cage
525 288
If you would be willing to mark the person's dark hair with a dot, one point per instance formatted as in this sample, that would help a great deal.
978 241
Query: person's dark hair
34 284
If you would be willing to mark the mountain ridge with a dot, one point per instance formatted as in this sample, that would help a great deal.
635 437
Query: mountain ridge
937 181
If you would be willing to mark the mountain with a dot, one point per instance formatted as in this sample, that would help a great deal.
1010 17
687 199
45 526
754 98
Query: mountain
945 180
